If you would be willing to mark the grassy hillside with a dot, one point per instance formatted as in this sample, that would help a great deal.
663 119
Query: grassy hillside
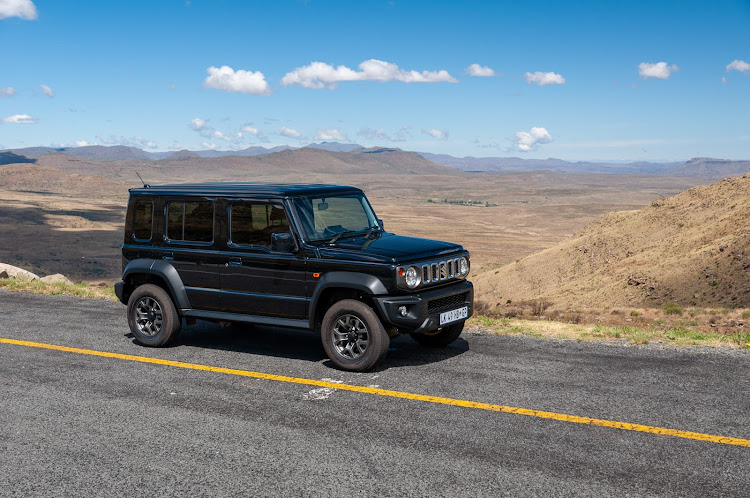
692 249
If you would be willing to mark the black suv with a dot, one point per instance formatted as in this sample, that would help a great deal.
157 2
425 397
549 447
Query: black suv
292 255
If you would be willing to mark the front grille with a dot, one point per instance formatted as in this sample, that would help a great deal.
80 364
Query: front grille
446 303
444 270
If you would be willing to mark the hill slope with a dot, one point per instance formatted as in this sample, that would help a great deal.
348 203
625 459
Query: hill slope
692 249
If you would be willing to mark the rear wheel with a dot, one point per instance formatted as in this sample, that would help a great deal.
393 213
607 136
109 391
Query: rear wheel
152 316
353 336
441 337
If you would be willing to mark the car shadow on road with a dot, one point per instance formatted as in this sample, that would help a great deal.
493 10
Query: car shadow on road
303 345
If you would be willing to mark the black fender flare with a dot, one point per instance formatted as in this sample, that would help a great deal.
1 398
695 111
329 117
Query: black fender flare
362 282
166 272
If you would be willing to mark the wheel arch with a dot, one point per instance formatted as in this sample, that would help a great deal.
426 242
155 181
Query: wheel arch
158 272
335 286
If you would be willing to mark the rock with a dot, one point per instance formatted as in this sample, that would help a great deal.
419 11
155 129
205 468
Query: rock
16 272
56 278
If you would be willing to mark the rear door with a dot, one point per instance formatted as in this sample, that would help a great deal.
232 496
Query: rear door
190 247
260 276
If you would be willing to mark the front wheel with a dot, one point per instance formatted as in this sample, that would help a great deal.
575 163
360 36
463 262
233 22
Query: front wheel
353 336
152 316
440 338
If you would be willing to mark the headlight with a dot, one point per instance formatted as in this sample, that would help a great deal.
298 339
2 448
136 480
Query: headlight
464 266
412 277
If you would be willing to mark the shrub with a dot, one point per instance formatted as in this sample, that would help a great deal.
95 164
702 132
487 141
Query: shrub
635 313
672 309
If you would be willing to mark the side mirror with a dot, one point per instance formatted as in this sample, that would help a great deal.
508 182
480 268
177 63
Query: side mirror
283 242
380 222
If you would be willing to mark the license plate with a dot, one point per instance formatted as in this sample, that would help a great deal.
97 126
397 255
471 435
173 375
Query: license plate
452 316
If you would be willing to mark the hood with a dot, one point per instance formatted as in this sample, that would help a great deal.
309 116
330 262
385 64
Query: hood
388 247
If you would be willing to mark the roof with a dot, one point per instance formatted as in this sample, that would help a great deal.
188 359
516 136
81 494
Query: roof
232 189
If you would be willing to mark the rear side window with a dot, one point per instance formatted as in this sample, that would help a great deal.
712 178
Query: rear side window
252 224
143 220
190 221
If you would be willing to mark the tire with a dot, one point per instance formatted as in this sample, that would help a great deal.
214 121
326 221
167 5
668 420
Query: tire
353 336
440 338
152 316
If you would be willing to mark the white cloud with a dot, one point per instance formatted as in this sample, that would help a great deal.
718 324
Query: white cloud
209 146
724 80
82 143
437 134
738 65
7 92
219 135
321 75
290 132
20 119
380 134
197 124
137 141
47 90
227 79
328 134
481 71
251 130
526 141
660 70
544 79
24 9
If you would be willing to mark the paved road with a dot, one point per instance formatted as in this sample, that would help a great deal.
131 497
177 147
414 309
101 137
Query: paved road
72 424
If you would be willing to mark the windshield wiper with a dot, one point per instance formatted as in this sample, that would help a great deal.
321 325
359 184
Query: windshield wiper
336 237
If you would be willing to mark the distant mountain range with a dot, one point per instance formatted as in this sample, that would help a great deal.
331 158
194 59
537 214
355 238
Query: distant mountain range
701 167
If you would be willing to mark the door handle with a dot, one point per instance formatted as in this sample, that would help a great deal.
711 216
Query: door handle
235 261
167 256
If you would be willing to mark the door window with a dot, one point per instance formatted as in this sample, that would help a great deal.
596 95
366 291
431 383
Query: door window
190 221
253 224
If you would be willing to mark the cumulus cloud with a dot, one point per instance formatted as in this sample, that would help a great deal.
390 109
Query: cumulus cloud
82 143
738 65
209 146
25 9
289 132
319 75
544 79
227 79
437 134
251 130
47 90
197 124
329 134
219 135
526 141
20 119
660 70
7 92
481 71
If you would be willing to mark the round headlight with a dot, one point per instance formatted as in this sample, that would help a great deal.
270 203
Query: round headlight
464 266
412 277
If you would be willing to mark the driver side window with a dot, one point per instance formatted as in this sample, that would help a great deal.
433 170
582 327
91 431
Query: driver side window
253 224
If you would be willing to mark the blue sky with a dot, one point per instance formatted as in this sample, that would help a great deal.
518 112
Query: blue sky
580 80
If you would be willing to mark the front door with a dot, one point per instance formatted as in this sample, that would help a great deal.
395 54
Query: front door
260 274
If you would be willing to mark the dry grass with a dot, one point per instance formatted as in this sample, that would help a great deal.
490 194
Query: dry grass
676 336
78 290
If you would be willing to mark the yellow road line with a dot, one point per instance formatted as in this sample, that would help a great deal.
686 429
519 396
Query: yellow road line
399 394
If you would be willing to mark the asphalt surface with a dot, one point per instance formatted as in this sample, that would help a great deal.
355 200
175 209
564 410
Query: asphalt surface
80 425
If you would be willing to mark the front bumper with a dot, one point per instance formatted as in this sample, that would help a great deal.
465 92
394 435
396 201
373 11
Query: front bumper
424 308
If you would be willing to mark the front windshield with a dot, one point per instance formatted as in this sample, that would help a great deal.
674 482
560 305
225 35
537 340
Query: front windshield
324 217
